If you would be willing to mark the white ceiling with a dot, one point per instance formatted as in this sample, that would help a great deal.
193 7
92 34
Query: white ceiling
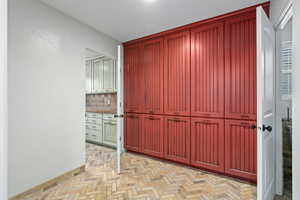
125 20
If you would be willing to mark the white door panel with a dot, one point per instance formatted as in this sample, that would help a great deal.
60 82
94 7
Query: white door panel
266 106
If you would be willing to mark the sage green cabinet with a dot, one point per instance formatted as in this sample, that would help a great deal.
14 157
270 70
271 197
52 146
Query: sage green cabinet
109 132
100 76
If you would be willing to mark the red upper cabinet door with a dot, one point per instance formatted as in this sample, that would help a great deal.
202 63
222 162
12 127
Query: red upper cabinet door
133 123
152 135
152 62
177 139
177 74
240 67
133 77
207 70
240 149
207 144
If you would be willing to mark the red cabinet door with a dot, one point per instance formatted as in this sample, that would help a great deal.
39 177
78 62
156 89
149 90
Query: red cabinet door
177 139
177 74
240 65
152 135
133 123
207 70
133 76
152 62
240 149
207 143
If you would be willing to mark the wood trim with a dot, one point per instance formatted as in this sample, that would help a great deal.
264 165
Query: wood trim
265 5
51 183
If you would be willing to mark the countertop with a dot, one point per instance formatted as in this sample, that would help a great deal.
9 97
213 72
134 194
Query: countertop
101 111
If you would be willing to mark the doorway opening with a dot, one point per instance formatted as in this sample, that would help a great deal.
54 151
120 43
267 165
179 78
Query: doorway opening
101 108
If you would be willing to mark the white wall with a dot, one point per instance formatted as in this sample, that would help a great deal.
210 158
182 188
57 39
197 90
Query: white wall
3 99
46 83
296 100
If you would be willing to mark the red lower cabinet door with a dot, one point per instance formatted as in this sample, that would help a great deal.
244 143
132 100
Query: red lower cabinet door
207 143
152 135
240 149
133 132
177 139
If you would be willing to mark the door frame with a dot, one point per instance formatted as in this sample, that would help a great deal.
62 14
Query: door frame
120 105
3 99
286 15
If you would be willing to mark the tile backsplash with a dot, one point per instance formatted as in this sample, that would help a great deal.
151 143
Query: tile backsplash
101 103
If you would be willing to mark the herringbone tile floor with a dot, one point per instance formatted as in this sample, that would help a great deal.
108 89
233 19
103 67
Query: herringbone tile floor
143 178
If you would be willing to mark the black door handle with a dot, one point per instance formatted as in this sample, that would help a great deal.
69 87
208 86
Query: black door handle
268 128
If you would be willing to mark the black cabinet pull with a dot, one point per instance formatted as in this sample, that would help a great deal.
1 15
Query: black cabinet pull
175 120
253 127
151 118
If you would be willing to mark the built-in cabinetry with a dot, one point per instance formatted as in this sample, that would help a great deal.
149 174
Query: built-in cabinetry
177 74
190 94
100 76
109 130
101 128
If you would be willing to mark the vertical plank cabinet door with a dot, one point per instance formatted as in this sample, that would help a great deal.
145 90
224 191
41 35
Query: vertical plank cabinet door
133 76
240 149
108 75
152 135
152 62
207 70
177 74
240 59
88 76
207 143
177 139
97 76
133 124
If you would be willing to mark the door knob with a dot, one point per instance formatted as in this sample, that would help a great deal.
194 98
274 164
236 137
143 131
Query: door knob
268 128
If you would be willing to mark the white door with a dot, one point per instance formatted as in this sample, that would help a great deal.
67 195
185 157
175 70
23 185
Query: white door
266 106
120 110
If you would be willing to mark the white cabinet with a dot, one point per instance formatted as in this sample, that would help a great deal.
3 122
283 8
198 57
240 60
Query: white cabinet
94 130
97 76
101 129
108 75
88 77
109 132
100 76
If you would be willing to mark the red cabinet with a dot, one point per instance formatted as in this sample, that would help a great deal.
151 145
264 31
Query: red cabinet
133 123
177 139
240 149
240 59
207 70
177 74
195 90
133 79
152 62
207 143
152 135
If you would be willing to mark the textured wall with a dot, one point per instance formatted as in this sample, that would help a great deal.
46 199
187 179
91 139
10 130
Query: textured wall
46 81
